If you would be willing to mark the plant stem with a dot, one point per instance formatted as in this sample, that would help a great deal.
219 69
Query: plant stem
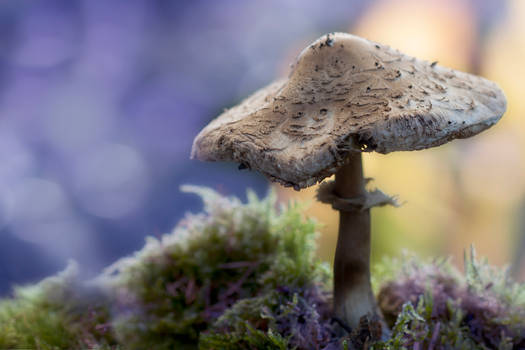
353 297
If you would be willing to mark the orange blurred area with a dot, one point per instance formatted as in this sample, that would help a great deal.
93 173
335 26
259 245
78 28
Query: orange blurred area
468 191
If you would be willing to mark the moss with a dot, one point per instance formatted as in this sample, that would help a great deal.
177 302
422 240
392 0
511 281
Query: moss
245 276
433 305
55 314
301 318
177 286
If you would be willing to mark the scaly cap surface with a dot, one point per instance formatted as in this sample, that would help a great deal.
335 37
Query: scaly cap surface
348 94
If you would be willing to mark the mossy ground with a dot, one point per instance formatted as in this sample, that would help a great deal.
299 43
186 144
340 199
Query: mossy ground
245 276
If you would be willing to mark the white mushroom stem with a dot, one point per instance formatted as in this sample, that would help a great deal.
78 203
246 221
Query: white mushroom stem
353 297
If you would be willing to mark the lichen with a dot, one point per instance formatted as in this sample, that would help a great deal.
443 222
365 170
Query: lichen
245 276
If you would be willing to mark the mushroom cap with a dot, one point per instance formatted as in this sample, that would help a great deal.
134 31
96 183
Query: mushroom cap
348 94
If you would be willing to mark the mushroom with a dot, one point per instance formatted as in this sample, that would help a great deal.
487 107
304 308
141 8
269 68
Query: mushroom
346 95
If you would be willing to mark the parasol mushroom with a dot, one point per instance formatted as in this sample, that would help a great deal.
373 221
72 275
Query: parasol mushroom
346 95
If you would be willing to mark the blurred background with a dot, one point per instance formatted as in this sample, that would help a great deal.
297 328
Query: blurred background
100 101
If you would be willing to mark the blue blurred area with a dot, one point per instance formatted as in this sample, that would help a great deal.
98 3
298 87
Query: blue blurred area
99 103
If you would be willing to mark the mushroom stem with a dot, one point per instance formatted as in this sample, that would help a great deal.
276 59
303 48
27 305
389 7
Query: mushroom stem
353 297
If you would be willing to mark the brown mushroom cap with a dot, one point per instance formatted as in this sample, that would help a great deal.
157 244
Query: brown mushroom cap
347 94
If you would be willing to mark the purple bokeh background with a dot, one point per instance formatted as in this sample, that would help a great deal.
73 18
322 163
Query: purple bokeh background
100 101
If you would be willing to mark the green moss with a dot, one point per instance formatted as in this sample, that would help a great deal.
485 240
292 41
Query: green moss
245 276
300 318
53 315
250 338
177 286
249 324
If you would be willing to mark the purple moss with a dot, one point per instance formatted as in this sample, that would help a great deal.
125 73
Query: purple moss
300 316
475 308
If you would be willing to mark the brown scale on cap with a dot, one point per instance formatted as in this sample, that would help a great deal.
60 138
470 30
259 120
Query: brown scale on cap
347 94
